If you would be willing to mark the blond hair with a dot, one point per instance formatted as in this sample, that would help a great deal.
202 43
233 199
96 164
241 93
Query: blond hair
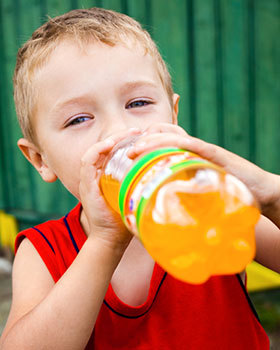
85 26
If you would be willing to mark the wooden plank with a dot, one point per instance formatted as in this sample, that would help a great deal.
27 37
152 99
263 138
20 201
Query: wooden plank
85 4
236 77
24 175
58 7
267 58
205 71
170 32
116 5
10 129
27 21
4 195
26 178
140 10
191 69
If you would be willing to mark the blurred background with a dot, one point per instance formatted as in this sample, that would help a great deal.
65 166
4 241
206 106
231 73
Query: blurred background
224 58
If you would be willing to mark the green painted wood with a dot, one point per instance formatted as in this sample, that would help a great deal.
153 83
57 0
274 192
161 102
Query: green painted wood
9 124
207 126
224 59
267 70
236 77
84 4
141 11
25 22
116 5
58 7
170 33
28 17
4 199
191 69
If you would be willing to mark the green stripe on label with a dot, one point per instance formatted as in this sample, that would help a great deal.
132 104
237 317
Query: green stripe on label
137 168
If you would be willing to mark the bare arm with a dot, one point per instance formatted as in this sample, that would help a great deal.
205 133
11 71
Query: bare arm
268 244
42 313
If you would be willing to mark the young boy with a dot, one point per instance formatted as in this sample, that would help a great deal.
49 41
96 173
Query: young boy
83 82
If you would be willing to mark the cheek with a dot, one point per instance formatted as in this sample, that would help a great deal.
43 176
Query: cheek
63 155
167 110
68 172
165 115
65 163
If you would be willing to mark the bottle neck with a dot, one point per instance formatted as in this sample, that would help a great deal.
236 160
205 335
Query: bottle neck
118 164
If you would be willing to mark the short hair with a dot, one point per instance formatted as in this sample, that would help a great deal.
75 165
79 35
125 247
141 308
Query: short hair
84 26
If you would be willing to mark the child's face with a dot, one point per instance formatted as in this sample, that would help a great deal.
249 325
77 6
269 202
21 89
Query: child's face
86 96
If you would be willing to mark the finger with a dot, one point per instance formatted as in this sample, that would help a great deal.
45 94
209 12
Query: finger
166 127
93 153
159 140
211 152
89 189
231 162
103 147
95 156
88 170
119 136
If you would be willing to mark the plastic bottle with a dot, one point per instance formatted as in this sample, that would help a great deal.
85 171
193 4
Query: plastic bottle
194 219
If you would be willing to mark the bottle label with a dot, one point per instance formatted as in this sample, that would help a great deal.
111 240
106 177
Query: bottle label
147 175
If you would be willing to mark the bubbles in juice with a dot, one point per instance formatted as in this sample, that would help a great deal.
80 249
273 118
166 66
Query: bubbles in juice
194 227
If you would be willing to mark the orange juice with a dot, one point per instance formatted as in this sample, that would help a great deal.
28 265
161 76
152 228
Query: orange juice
194 219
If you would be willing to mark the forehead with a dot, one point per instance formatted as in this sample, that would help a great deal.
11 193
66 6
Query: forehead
70 51
73 68
96 61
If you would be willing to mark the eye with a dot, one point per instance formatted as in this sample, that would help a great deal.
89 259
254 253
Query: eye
138 104
79 119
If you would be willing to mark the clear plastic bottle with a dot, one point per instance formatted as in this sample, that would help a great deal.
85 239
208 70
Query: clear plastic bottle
193 218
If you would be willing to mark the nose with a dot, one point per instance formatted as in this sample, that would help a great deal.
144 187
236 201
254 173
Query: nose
118 124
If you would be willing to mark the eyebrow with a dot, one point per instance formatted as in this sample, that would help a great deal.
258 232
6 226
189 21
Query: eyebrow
137 84
126 87
69 102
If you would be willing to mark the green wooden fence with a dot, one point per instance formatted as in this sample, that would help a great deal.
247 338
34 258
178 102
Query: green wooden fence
223 55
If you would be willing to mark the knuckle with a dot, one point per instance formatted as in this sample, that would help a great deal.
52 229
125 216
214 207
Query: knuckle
83 162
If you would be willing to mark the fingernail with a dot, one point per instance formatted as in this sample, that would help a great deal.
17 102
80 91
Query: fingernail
134 130
140 144
109 142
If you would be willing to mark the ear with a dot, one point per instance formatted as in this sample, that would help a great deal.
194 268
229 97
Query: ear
35 157
175 111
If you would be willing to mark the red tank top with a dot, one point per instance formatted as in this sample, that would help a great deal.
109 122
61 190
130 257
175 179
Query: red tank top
176 315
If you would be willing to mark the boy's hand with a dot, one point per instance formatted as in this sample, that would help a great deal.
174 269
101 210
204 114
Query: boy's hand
159 135
264 185
98 219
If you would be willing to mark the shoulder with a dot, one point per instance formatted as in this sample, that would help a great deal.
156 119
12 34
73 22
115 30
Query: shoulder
49 232
55 241
27 261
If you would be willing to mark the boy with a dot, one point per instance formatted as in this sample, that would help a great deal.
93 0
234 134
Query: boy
83 82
